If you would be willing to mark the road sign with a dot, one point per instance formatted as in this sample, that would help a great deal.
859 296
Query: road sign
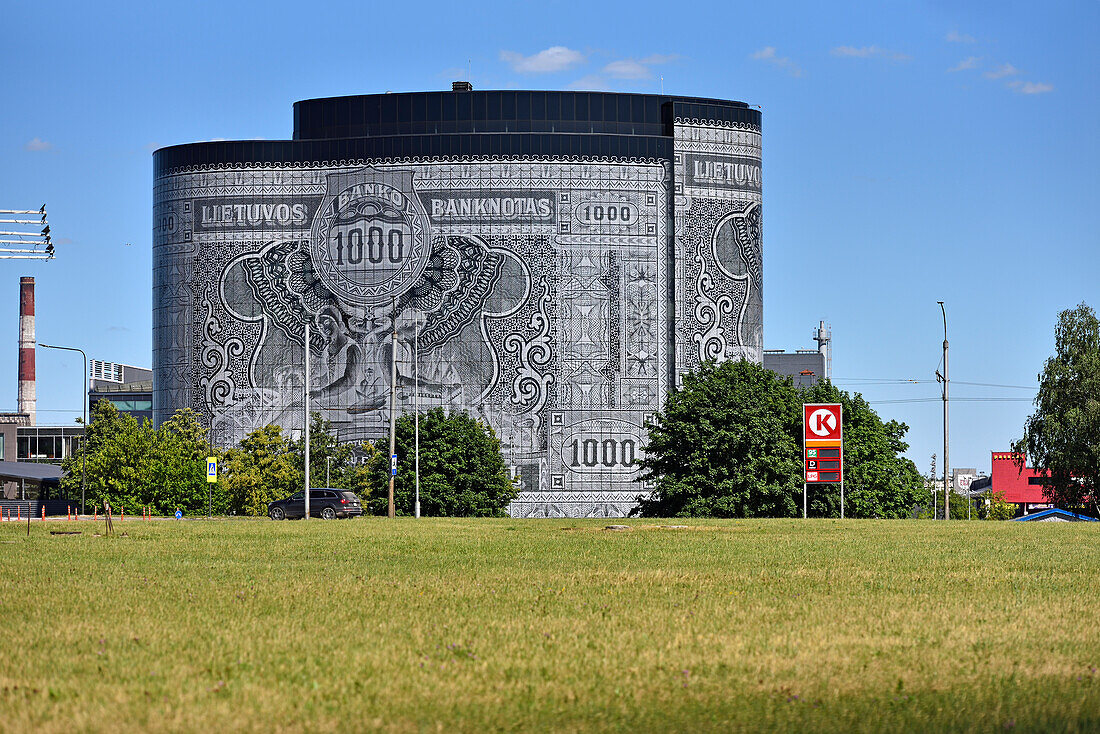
211 468
179 514
393 465
823 432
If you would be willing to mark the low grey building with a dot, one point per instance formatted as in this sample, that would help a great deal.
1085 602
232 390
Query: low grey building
804 366
129 388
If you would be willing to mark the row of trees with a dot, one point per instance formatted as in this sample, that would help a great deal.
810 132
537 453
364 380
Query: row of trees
726 445
462 469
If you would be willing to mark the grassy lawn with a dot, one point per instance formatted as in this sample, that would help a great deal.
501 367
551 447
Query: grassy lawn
475 625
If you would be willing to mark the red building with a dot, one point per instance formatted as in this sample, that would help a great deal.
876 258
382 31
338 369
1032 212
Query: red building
1019 486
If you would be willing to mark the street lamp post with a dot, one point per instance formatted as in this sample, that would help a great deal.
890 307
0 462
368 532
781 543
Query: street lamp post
393 403
84 437
416 410
305 398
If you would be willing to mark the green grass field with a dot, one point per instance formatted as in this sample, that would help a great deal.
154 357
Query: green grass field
476 625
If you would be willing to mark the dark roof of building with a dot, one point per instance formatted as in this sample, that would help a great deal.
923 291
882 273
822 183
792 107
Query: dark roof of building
30 470
981 484
487 124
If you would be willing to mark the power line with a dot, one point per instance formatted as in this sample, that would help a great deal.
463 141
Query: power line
966 400
910 381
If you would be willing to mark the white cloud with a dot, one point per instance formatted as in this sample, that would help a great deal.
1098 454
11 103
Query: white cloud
589 83
38 144
970 62
1002 71
627 69
956 37
636 68
769 56
869 52
1023 87
555 58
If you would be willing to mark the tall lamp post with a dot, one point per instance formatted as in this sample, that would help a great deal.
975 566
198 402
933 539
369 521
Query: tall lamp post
305 398
393 403
945 378
83 438
416 411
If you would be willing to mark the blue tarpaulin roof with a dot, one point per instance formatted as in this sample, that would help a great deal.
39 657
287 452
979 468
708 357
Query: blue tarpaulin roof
1055 515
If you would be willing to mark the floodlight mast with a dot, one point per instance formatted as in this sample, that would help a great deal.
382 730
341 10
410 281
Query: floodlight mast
29 240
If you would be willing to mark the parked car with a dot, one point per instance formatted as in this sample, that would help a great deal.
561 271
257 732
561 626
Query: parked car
325 502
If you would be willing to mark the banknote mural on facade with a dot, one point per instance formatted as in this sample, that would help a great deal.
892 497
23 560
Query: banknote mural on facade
550 298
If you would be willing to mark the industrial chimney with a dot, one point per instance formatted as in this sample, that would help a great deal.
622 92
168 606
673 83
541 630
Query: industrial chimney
27 400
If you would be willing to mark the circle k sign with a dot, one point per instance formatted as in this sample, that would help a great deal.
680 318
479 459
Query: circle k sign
822 421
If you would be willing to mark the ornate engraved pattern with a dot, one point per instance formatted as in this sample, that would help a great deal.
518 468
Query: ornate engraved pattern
218 384
709 312
529 384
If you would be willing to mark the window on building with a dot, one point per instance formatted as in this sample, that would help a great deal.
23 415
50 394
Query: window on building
132 404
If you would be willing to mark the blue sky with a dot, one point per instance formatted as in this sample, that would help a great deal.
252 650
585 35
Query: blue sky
913 152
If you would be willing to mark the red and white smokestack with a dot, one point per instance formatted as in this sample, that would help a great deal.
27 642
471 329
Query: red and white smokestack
27 399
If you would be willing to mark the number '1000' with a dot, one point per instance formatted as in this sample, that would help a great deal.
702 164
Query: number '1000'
380 245
609 452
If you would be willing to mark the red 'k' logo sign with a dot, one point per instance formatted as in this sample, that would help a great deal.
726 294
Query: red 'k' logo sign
822 421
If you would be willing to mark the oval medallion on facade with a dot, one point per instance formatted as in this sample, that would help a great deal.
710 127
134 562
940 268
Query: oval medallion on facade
370 243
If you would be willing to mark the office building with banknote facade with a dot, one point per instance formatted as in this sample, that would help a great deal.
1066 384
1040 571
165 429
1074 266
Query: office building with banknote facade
560 260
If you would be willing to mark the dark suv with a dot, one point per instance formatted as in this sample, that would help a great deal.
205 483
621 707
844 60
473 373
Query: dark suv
325 503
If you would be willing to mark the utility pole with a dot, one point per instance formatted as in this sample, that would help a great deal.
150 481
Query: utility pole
945 378
416 411
306 517
393 399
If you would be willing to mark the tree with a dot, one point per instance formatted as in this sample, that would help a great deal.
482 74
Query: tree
176 468
999 509
330 462
261 469
725 446
462 469
131 465
1062 437
728 444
